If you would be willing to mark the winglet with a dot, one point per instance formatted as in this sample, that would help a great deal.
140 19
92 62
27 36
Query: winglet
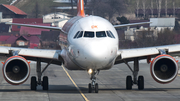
80 6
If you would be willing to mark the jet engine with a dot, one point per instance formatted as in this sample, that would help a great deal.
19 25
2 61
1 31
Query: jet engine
16 70
164 69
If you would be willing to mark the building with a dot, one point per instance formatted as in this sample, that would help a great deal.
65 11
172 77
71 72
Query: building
162 23
27 41
150 30
11 40
33 31
57 19
4 27
25 21
8 40
57 15
130 33
3 39
50 39
9 11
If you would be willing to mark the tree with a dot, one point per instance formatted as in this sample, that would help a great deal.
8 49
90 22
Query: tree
152 7
123 20
166 2
137 7
174 8
177 26
145 38
166 37
36 10
72 8
144 7
159 4
106 8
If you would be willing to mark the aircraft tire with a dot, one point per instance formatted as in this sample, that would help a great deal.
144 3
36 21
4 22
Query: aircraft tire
33 83
128 82
45 83
89 88
140 82
96 88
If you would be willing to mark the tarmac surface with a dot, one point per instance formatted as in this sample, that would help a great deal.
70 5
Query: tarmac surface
111 86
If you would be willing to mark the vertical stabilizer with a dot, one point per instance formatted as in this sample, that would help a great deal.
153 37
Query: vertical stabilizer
80 6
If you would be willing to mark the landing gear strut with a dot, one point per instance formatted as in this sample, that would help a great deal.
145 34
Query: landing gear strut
93 85
35 82
139 81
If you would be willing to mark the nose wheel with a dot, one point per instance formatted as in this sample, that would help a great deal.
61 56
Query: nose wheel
93 85
91 88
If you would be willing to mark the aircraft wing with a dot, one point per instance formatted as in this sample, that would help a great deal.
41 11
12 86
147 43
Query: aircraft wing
35 26
33 54
131 24
126 55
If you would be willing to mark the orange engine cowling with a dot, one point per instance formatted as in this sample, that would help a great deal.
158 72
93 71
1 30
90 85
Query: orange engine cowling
164 69
16 70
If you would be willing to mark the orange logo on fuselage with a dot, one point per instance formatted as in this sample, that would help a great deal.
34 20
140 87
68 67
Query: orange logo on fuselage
94 26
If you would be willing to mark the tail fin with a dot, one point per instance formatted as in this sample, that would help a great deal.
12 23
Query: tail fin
80 6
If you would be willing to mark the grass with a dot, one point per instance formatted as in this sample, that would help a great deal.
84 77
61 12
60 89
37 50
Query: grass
45 6
5 1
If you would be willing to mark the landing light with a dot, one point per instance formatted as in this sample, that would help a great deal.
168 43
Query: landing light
90 71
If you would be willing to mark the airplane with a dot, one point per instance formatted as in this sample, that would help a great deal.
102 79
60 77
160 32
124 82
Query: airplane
92 47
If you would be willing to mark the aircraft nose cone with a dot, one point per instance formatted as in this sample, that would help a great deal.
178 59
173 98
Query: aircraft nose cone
96 51
96 55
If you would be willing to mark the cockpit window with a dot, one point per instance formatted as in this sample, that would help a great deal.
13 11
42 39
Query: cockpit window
110 34
88 34
100 34
76 34
80 34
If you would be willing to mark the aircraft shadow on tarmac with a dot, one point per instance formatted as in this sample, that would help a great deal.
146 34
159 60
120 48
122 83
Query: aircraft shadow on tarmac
72 89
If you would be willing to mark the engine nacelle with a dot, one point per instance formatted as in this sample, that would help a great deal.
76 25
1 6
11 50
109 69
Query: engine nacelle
164 69
16 70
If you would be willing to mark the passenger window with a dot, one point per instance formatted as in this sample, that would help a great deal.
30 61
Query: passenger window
80 34
100 34
76 34
89 34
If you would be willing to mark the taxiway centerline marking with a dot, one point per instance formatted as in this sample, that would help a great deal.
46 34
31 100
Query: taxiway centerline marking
75 84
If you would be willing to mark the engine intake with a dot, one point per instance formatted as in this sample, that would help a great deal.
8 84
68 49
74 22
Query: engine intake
164 69
16 70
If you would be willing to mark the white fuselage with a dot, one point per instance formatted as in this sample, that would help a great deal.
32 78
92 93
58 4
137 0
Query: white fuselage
90 44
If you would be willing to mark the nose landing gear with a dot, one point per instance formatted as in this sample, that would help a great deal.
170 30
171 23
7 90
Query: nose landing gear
93 85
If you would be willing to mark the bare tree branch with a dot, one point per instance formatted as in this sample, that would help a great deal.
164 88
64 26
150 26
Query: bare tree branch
159 4
137 7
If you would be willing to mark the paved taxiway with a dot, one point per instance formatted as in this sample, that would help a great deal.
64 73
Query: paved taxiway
111 87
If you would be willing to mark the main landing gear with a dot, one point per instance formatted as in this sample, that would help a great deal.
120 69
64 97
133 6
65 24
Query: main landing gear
35 82
93 85
130 81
